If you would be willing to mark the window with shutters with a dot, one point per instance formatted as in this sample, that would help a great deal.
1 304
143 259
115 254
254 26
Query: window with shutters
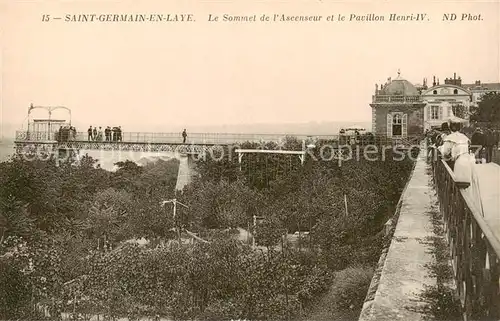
434 112
405 125
389 125
397 124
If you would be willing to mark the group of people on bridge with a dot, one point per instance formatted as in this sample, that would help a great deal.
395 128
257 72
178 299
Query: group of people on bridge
111 134
66 133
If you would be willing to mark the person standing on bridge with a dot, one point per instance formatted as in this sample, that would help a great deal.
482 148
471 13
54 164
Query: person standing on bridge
72 133
89 131
99 134
107 133
184 136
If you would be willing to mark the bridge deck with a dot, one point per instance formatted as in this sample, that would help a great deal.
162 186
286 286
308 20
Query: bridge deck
169 138
214 138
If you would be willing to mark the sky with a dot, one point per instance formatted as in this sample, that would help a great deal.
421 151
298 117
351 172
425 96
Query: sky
143 75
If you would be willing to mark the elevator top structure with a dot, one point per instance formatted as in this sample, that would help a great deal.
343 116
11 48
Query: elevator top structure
44 129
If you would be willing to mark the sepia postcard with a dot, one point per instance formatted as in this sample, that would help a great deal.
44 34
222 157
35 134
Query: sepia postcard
298 160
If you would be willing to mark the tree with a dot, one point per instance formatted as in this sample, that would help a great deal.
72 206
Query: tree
488 110
268 233
14 219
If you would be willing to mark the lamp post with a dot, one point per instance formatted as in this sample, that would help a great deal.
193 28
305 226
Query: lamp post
175 202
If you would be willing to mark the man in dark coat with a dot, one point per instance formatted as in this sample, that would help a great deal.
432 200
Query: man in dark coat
478 142
490 143
89 131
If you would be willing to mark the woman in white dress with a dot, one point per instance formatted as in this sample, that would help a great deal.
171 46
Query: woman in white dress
455 148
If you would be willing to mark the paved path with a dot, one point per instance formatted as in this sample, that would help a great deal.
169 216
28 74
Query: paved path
404 273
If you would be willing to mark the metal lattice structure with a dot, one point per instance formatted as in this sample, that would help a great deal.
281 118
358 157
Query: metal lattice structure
34 147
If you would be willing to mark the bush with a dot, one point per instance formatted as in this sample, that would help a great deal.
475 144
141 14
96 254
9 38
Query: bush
351 286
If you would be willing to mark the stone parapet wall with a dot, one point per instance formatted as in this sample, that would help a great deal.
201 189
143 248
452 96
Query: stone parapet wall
401 274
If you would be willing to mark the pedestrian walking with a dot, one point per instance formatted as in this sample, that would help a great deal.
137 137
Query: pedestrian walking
184 136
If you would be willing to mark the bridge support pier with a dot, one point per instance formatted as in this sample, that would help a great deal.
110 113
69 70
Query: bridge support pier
187 170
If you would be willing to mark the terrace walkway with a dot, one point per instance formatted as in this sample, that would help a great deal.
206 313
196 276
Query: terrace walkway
472 232
403 274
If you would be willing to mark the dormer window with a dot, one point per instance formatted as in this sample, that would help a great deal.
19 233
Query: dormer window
455 91
435 92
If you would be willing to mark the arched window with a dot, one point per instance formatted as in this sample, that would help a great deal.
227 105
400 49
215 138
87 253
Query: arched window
435 92
455 91
396 124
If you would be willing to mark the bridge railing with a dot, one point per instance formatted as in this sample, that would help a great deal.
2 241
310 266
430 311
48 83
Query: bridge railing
474 247
192 138
218 138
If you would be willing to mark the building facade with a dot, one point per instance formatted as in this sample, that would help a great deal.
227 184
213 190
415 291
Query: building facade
401 109
397 109
443 102
479 89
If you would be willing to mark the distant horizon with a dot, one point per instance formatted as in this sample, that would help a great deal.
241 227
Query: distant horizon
299 128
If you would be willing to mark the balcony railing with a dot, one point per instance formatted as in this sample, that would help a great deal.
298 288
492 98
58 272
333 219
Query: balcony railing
396 99
474 247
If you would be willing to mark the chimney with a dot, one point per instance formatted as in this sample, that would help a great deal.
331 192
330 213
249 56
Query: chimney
434 81
454 75
458 82
478 82
438 81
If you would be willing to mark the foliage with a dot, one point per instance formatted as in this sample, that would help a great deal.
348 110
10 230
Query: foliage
55 221
345 298
268 233
488 110
352 286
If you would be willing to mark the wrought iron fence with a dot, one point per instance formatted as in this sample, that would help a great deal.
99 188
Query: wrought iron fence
216 138
474 247
174 138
